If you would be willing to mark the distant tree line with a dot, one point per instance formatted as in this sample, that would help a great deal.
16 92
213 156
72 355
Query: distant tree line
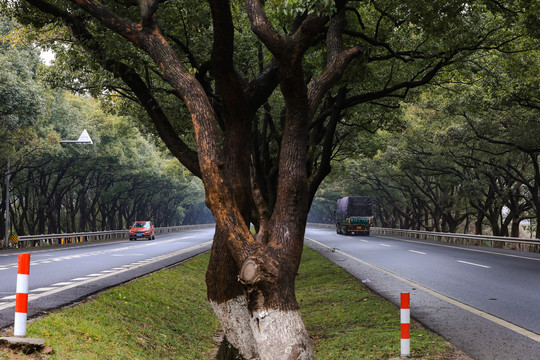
76 190
58 188
465 158
121 178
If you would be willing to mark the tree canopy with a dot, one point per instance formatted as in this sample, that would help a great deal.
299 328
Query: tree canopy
75 188
468 153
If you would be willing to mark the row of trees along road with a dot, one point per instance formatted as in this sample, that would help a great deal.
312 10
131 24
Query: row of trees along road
257 98
467 158
75 188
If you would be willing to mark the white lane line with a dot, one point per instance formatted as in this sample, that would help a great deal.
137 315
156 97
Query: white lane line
385 245
527 333
63 283
460 248
474 264
42 289
418 252
364 240
127 254
100 243
93 253
34 297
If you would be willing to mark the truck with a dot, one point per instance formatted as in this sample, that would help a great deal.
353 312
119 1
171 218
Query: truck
354 215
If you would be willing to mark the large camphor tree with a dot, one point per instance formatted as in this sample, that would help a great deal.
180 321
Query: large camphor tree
256 97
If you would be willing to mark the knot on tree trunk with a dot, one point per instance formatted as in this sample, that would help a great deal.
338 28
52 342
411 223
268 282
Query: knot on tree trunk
256 269
250 273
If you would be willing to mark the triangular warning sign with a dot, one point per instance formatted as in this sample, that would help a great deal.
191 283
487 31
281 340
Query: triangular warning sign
84 138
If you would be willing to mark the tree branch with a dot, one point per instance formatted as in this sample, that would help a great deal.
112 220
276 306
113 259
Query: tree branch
148 10
337 61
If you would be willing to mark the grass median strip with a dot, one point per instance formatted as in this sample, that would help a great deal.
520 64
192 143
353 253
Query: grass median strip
166 316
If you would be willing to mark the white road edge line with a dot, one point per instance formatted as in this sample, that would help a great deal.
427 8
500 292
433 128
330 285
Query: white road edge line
474 264
531 335
67 287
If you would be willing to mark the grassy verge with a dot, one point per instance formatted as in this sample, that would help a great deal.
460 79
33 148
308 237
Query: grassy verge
348 321
166 316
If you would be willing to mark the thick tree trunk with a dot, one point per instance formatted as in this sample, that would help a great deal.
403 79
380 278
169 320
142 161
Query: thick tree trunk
260 321
515 227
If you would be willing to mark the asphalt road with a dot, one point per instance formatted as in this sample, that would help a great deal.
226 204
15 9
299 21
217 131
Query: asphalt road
485 301
63 275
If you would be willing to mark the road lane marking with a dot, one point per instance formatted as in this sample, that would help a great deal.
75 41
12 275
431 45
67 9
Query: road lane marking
42 289
474 264
33 297
522 331
385 245
93 253
418 252
459 248
127 254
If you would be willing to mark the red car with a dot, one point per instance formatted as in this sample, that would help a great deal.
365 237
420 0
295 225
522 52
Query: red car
141 229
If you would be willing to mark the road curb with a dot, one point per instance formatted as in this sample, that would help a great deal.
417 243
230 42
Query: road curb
23 344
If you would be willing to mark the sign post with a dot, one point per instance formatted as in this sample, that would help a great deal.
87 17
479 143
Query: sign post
405 325
21 297
7 206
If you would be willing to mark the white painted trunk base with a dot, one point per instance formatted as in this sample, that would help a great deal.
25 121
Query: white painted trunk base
264 335
234 318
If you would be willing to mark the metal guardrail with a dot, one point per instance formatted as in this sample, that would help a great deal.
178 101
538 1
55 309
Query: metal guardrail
502 242
71 238
513 243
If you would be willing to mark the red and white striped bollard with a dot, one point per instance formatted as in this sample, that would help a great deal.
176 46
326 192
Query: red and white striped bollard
21 302
405 325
